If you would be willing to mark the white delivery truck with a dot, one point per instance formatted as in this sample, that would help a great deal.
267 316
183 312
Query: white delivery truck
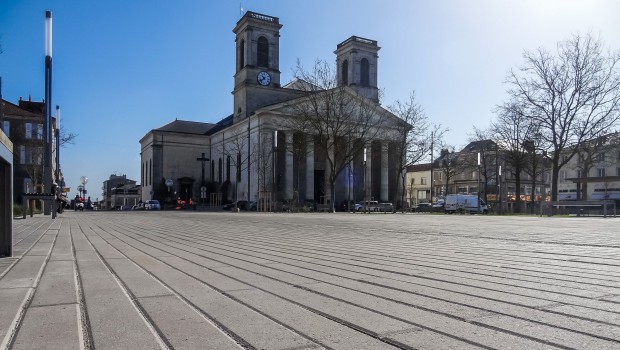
465 203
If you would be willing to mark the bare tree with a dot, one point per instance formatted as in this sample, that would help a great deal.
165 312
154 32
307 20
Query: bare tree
413 140
338 118
235 151
593 153
512 130
66 137
263 156
484 144
572 96
450 163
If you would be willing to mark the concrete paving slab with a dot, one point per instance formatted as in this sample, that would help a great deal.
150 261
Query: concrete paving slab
24 273
183 327
49 327
10 307
139 282
323 330
57 285
424 339
114 321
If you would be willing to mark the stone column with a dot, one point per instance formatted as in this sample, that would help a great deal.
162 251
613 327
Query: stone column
310 169
328 172
289 174
384 172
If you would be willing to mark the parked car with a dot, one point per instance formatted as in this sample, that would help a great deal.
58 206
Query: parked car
152 205
358 206
386 207
422 208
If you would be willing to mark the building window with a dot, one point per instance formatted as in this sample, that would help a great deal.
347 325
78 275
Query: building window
618 171
39 131
36 155
212 170
241 55
238 167
228 168
22 154
28 130
6 127
423 181
600 172
563 175
364 72
345 73
601 157
578 173
262 52
421 194
150 172
219 168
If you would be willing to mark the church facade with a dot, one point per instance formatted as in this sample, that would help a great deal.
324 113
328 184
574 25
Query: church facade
254 153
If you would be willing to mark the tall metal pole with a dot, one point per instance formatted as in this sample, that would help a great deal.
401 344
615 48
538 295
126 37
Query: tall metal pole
275 169
365 205
432 147
478 182
47 164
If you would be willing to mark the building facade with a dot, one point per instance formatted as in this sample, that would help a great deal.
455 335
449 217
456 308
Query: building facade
118 191
24 125
254 153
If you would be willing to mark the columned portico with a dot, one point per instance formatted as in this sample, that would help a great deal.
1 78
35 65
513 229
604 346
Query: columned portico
384 172
289 180
310 169
368 172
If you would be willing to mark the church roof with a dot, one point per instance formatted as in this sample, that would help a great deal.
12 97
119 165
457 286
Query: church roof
187 127
222 124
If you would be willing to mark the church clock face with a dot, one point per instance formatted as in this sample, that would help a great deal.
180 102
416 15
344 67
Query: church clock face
263 78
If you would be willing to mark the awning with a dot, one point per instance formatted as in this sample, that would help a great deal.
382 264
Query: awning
603 196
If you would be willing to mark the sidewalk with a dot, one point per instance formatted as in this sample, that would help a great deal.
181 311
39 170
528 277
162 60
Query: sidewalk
191 280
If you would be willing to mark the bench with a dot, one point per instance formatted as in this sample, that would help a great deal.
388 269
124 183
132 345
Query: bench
580 208
42 196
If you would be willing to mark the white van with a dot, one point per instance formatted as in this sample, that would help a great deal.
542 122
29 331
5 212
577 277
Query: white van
467 203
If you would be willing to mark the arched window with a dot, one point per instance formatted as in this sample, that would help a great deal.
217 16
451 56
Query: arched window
365 72
219 168
262 52
241 55
228 168
238 167
345 73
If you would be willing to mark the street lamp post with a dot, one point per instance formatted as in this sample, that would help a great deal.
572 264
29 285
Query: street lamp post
47 168
275 169
478 182
365 205
499 189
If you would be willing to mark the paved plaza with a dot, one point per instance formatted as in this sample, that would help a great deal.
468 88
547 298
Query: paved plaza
191 280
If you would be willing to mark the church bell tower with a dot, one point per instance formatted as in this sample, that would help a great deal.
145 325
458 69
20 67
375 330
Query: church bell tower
356 59
257 68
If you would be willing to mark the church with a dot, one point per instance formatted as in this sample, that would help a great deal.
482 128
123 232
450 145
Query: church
265 150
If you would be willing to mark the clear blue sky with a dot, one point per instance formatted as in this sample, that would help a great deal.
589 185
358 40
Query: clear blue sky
122 68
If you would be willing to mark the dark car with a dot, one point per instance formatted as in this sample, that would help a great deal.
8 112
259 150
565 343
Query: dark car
422 208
